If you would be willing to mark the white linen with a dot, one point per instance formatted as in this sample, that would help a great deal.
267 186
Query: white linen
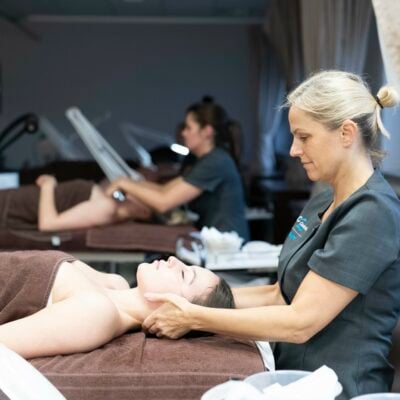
19 380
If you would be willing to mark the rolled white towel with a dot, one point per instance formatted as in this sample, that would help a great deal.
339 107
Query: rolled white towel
322 384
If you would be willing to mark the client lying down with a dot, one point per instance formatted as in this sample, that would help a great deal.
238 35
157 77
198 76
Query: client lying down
76 204
52 304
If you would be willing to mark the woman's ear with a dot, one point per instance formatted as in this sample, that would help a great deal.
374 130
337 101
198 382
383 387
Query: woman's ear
349 132
208 131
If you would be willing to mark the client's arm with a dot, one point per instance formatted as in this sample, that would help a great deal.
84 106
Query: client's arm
97 211
80 323
47 208
161 198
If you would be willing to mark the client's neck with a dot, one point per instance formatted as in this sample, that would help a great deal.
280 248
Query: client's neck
131 305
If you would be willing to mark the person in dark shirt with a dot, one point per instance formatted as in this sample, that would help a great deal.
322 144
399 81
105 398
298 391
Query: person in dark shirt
211 185
337 298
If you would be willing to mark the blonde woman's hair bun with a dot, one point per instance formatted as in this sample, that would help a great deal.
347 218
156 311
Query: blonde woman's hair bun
387 97
332 97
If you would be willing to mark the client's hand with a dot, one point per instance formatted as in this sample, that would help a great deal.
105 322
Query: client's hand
45 180
171 320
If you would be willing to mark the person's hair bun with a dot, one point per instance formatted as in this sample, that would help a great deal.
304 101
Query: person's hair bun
207 99
388 96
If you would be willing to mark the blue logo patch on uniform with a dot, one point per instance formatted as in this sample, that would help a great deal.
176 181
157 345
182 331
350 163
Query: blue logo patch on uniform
292 236
298 228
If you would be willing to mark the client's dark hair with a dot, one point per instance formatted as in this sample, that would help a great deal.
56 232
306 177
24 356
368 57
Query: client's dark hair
220 297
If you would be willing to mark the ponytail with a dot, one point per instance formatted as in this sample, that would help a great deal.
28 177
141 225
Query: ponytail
226 132
386 97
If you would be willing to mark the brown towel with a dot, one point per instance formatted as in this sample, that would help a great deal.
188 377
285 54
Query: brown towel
136 236
19 207
26 279
29 239
135 367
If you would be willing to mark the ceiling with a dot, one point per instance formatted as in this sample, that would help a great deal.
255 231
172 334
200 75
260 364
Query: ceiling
168 9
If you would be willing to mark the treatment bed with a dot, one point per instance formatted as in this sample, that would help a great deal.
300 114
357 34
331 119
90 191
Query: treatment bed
123 242
138 367
148 368
131 366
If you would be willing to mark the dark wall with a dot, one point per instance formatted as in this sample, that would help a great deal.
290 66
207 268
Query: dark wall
143 73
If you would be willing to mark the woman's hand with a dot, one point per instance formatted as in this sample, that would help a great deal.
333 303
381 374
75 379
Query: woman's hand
172 319
46 180
117 184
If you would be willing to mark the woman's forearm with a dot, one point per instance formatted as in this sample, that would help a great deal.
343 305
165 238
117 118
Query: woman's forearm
47 213
165 197
148 193
151 185
131 186
272 323
316 303
258 296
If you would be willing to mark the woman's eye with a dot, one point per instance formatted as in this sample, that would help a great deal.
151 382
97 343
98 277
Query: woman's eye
183 274
303 138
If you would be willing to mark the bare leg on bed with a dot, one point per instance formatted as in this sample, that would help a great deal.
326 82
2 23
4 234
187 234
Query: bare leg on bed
80 323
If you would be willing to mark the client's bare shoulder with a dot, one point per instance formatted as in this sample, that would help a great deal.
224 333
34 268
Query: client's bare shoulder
74 282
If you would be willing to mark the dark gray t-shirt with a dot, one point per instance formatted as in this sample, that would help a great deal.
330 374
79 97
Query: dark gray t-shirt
221 203
358 247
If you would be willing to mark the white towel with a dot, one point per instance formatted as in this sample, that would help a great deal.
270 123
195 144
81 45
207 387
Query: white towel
19 380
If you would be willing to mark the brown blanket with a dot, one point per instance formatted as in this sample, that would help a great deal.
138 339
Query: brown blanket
136 236
127 236
26 279
134 367
19 207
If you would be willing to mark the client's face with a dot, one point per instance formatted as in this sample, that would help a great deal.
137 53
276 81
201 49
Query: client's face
173 276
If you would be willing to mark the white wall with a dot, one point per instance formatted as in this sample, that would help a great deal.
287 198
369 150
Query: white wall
147 74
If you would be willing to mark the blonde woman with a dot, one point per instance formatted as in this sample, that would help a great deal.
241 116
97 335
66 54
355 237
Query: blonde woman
337 297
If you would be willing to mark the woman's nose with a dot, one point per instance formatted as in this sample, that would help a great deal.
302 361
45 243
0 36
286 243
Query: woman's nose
171 261
295 150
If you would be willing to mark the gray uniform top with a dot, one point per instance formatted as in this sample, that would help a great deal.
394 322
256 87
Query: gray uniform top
358 247
221 203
